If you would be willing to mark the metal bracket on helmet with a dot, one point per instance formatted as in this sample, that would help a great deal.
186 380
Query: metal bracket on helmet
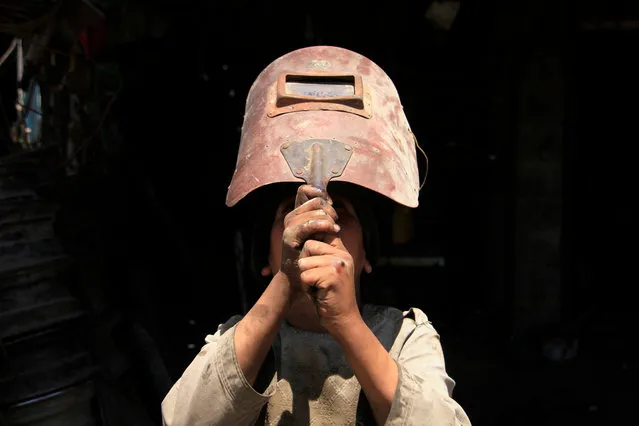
317 161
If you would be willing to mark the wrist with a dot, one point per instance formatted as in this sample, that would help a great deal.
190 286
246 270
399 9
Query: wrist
283 289
348 328
274 303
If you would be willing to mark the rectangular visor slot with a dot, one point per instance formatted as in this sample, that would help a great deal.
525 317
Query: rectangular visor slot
320 87
313 91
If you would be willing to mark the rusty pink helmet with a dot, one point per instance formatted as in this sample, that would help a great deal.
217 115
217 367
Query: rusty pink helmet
326 113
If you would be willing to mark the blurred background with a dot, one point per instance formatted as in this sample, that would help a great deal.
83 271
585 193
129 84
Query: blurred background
119 130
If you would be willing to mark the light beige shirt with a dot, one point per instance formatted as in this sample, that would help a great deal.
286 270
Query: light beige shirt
313 384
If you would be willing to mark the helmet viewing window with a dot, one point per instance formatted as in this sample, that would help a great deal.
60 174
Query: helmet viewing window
319 91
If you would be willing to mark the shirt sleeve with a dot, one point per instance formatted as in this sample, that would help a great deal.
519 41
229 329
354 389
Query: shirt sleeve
424 389
213 389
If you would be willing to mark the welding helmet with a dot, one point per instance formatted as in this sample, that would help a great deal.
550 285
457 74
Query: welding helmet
324 113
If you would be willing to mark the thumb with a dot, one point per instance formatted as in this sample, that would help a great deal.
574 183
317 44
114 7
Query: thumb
307 192
335 241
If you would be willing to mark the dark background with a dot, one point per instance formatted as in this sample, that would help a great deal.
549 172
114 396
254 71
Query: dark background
526 111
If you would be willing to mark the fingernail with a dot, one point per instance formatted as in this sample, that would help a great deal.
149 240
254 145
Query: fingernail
336 228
